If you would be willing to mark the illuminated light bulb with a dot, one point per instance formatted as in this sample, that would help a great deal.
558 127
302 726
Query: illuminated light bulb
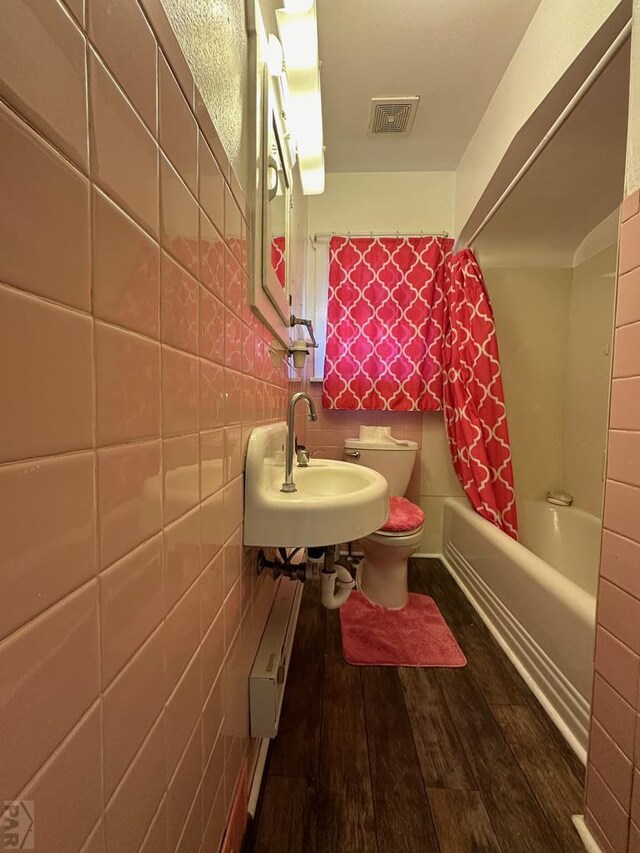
275 57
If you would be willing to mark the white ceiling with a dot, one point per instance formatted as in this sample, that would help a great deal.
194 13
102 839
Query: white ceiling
576 183
452 53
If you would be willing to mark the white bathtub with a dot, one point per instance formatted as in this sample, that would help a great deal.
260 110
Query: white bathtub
537 597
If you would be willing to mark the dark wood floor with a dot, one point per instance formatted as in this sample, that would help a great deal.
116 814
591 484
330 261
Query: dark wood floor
389 760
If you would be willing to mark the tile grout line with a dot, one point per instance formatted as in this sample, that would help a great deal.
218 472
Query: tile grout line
94 370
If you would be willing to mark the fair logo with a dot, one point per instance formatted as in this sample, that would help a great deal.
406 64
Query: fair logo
17 825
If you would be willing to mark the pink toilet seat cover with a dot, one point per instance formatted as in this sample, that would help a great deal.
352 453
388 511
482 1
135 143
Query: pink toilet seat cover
403 516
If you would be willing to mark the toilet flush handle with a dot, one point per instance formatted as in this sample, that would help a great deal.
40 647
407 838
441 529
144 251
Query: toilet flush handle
352 454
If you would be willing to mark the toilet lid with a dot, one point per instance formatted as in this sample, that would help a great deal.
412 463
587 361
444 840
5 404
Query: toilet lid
403 516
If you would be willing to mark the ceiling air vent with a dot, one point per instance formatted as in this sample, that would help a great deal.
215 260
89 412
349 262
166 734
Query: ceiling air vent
392 115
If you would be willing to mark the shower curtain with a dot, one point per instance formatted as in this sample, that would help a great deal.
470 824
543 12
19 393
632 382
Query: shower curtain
410 328
473 396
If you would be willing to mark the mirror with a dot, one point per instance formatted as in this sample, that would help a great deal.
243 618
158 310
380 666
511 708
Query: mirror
276 207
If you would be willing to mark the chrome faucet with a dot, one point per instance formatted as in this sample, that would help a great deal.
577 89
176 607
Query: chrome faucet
289 485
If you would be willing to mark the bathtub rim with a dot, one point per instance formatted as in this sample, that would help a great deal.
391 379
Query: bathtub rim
512 547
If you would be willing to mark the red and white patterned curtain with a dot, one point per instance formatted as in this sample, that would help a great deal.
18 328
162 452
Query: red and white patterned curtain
385 323
410 328
474 406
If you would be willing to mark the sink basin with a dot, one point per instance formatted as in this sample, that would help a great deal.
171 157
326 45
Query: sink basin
334 502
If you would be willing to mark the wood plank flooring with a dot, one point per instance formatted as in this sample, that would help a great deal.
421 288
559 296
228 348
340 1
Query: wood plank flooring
383 760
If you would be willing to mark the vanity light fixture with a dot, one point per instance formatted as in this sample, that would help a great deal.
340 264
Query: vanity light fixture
298 28
277 70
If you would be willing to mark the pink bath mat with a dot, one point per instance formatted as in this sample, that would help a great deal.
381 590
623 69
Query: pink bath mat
417 635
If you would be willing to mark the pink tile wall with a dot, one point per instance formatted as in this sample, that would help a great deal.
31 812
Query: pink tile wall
328 433
612 808
132 371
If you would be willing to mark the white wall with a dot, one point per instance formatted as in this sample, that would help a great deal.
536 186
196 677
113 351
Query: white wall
384 201
554 330
588 372
438 479
559 32
531 308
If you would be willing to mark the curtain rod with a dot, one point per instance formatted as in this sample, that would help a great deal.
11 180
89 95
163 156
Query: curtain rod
324 234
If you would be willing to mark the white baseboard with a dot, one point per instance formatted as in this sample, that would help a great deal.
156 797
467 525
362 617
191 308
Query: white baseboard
590 844
567 708
292 596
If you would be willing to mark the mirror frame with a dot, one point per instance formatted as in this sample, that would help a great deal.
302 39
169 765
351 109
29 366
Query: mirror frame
274 316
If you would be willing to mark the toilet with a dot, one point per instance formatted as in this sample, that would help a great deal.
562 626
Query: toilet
383 573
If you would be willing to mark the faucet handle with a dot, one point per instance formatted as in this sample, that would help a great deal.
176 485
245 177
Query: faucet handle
302 455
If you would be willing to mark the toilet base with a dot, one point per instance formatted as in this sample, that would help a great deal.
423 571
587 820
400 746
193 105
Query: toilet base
383 574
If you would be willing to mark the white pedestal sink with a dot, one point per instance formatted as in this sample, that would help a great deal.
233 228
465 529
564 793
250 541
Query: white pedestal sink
334 502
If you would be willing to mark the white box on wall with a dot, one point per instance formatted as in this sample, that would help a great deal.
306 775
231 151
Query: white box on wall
271 666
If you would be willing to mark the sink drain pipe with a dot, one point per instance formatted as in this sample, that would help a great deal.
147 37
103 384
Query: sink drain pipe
336 579
337 582
336 587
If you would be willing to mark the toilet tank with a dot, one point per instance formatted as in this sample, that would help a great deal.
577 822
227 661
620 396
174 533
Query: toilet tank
378 449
